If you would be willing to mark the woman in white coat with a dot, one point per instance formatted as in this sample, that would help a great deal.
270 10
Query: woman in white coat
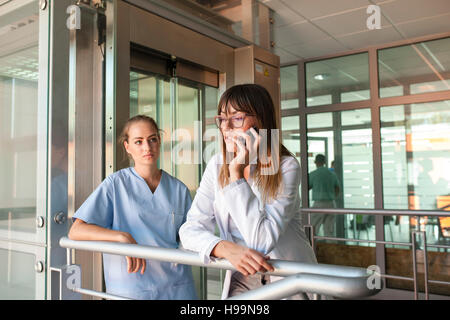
252 196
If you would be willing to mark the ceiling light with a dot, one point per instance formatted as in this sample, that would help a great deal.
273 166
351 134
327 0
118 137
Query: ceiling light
321 76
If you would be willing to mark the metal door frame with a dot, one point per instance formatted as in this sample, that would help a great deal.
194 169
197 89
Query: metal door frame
145 29
37 243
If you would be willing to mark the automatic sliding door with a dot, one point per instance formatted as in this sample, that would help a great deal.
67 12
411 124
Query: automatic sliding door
179 107
150 95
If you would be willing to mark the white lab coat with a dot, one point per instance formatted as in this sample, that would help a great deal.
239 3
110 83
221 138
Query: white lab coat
274 229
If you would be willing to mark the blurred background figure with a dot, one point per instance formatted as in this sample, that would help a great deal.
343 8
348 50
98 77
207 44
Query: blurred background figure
325 189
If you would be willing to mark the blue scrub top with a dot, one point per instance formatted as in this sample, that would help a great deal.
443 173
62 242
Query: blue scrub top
124 202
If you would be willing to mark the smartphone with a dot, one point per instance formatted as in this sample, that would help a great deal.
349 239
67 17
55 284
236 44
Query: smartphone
250 134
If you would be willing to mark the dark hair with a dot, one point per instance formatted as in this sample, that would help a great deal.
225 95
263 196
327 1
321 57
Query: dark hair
124 135
251 99
320 158
255 100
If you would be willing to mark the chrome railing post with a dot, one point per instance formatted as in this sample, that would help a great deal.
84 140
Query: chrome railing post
425 264
414 258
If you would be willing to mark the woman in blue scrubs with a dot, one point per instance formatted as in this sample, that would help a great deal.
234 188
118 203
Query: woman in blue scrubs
139 205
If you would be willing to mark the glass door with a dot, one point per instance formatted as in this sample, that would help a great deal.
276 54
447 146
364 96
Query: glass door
23 156
183 110
176 105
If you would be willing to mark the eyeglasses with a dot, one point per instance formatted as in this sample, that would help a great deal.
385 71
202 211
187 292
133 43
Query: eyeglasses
236 121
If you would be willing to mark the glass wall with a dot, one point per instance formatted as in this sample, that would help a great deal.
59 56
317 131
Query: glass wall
337 80
23 153
417 68
290 124
340 171
416 151
414 154
415 142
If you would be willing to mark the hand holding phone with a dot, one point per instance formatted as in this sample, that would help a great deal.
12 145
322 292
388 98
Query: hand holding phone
250 134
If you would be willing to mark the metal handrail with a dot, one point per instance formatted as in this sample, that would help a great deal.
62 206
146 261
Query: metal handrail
351 282
338 287
413 213
412 244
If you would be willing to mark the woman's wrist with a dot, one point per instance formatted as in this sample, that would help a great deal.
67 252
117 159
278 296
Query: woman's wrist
220 249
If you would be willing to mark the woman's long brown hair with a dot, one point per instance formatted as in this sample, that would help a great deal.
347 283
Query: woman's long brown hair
255 100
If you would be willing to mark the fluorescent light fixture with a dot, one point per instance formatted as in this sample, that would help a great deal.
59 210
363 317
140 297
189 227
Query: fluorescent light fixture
321 76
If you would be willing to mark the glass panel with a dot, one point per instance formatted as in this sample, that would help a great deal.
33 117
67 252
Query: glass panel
318 100
343 175
417 68
289 87
337 80
415 147
150 95
320 120
292 143
17 275
289 104
399 257
20 199
176 105
187 115
355 96
290 123
211 136
289 80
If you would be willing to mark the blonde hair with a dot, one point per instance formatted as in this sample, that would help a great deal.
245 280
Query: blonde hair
255 100
124 134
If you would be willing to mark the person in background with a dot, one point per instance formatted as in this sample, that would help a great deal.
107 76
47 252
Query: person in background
325 189
139 205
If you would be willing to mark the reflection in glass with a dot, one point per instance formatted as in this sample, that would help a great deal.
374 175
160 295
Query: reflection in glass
337 80
399 257
416 68
177 106
355 96
19 116
17 275
345 141
349 253
289 104
415 154
289 80
187 121
290 123
415 147
150 95
241 18
291 134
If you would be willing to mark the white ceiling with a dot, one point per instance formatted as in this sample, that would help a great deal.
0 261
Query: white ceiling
313 28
